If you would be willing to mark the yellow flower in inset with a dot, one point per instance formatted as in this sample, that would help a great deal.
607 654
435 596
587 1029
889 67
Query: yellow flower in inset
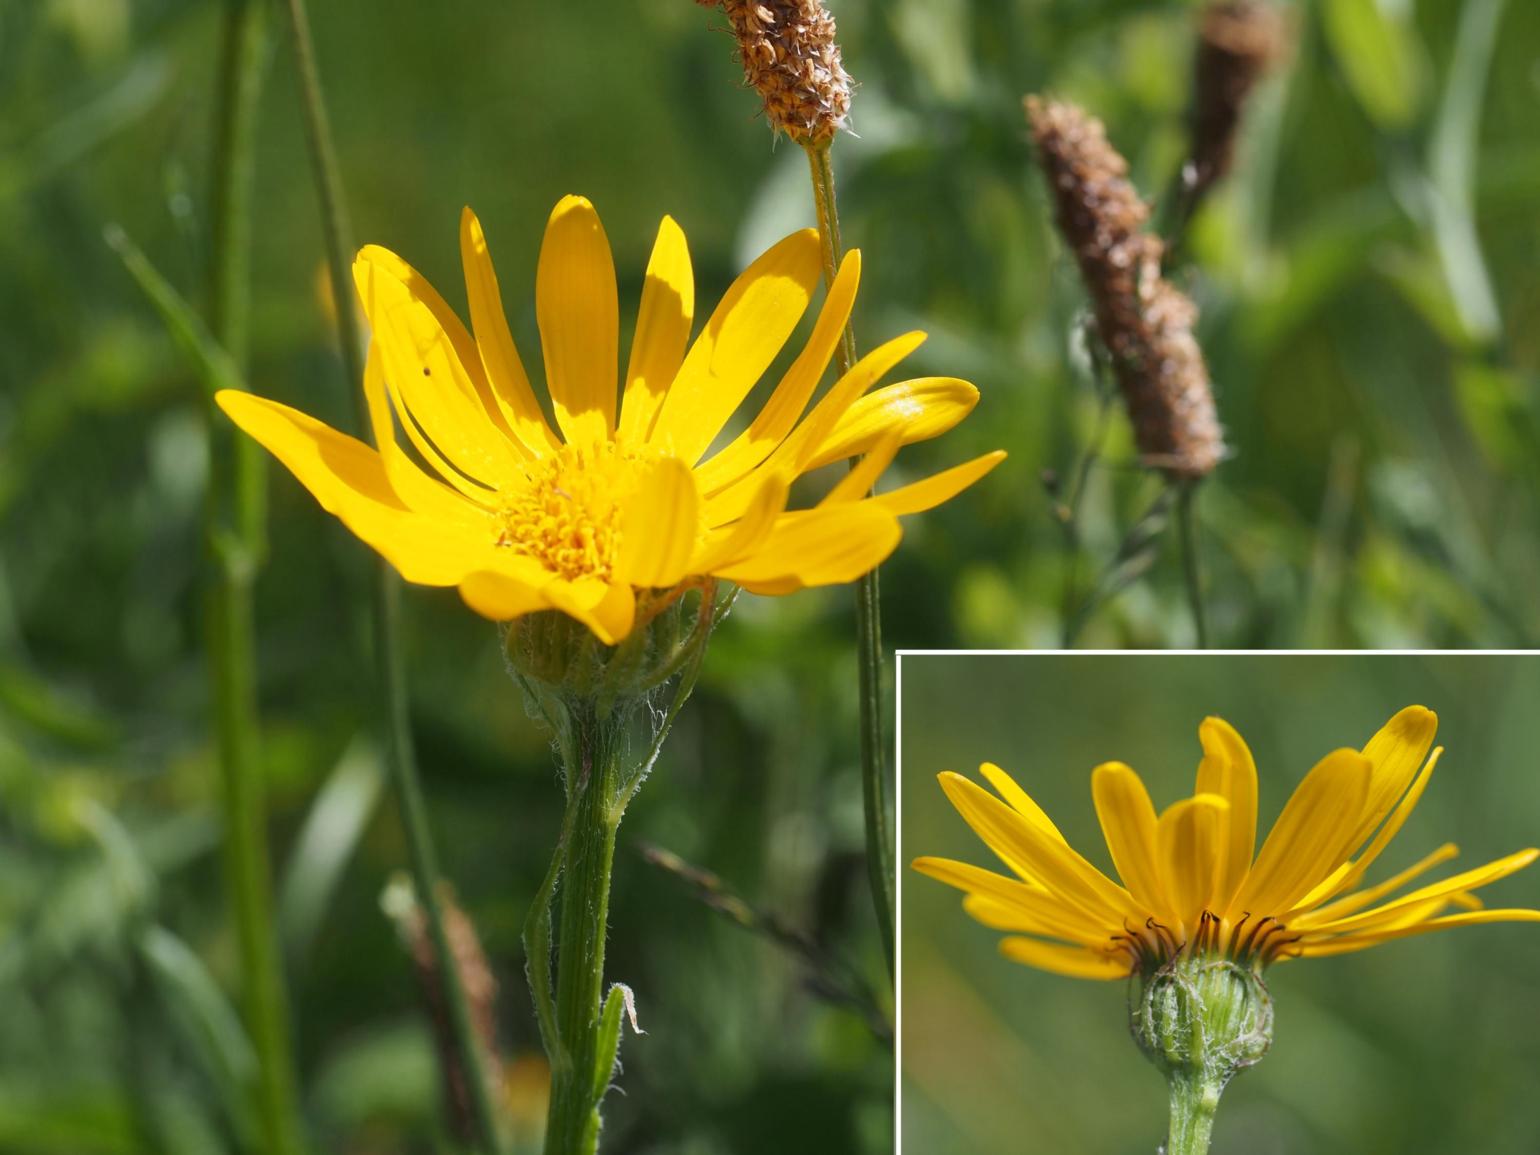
1190 886
629 495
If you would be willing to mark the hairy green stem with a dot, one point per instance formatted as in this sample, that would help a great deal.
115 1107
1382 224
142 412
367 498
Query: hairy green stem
879 844
385 595
234 532
1193 1105
591 753
1192 567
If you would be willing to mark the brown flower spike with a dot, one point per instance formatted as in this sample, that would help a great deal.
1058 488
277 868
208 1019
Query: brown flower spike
790 57
1144 321
1238 41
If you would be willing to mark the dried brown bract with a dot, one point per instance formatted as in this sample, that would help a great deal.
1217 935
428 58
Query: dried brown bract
475 978
1144 321
1238 42
790 57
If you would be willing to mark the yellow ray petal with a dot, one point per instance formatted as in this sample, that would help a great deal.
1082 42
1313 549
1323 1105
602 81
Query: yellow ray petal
1356 902
790 397
1468 880
977 880
424 494
1191 840
1059 868
730 543
1030 907
817 547
1350 943
929 492
857 483
1228 770
659 525
610 614
744 334
1019 800
348 478
662 332
511 392
1397 751
464 347
1128 823
500 597
1071 961
1310 838
1022 919
579 317
791 455
429 383
916 410
1351 872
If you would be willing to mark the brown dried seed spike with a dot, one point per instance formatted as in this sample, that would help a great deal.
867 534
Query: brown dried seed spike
790 57
1144 321
1238 42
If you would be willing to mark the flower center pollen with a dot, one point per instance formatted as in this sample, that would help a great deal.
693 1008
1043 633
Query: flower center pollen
568 515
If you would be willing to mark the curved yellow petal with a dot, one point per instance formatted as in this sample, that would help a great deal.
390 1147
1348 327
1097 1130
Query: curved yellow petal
659 525
1360 899
512 394
1015 904
1229 771
791 455
662 332
733 542
858 482
1349 943
739 342
929 492
1397 751
1019 800
1070 961
817 547
790 397
978 880
1311 837
1022 918
1444 888
1190 835
428 380
579 316
1128 823
501 597
1056 865
917 410
349 480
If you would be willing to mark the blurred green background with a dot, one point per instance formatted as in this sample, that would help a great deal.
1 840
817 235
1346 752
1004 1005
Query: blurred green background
1421 1045
1369 297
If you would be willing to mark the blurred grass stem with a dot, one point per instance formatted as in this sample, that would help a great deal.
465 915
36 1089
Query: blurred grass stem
879 846
385 589
235 531
1188 544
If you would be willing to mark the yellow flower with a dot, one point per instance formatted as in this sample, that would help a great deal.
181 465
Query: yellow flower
618 498
1190 884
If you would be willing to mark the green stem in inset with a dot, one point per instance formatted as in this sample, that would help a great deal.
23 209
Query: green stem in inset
385 596
592 749
1192 568
879 845
234 536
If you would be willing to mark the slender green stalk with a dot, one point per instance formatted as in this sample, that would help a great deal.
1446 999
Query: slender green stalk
579 1070
879 844
1192 568
1193 1104
385 592
234 531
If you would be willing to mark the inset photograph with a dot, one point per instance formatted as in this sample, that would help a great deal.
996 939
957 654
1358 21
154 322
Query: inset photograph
1128 879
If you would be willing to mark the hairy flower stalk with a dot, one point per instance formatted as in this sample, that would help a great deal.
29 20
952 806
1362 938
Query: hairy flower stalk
1239 41
1143 320
601 542
1199 912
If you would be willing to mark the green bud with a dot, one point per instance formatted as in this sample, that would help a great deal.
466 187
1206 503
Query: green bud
1200 1019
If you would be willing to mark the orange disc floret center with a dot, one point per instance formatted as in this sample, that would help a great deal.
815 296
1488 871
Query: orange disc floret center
568 513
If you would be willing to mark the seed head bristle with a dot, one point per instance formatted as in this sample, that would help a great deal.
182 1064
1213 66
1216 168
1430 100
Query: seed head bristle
1144 321
1238 42
791 58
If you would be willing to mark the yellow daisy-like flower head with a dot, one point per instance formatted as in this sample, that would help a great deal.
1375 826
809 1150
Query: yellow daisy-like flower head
1193 884
629 492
